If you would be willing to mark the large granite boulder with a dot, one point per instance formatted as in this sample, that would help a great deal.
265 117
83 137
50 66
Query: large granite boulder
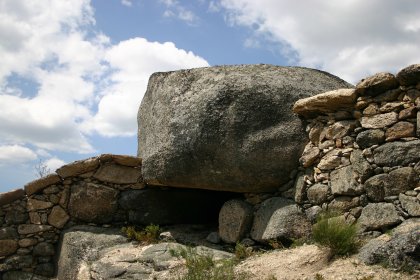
226 128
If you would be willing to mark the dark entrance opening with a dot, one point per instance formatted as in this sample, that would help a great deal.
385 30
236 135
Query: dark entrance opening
168 206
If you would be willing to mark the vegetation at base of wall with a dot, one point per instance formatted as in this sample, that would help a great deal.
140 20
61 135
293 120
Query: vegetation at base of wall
276 244
242 252
205 267
335 233
148 235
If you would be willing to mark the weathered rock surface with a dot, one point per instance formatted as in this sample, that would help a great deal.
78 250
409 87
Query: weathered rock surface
317 194
402 153
117 174
377 84
97 253
327 102
343 183
34 204
20 275
93 203
235 220
309 155
370 137
400 130
410 204
279 218
30 229
78 167
80 245
342 204
41 183
44 249
225 128
8 247
125 160
58 217
8 197
397 249
172 206
379 216
8 233
379 121
409 75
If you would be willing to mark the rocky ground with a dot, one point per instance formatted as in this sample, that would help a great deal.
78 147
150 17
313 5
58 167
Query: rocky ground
107 254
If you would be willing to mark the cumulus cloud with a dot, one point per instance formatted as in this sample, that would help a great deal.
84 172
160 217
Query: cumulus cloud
82 83
12 154
133 62
47 46
351 39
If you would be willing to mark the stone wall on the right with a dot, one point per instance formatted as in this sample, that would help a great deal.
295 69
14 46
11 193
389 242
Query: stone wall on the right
363 158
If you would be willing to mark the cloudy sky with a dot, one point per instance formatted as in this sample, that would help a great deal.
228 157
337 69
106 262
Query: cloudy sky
73 72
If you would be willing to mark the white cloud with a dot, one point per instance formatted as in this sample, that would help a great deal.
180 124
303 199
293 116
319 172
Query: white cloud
175 10
134 61
351 39
214 7
85 84
48 45
54 163
13 154
127 3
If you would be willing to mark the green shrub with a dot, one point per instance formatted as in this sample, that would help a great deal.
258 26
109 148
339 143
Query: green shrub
149 235
336 234
276 244
242 252
204 267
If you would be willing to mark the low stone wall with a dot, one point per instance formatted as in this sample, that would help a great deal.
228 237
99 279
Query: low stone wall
107 190
82 192
363 158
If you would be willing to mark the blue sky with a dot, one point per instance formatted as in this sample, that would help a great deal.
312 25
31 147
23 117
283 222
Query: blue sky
73 72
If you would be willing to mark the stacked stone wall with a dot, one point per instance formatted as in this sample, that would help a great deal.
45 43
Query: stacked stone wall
363 158
106 191
31 219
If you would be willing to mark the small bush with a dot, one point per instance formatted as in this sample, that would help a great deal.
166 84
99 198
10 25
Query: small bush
204 267
336 234
149 235
242 252
276 244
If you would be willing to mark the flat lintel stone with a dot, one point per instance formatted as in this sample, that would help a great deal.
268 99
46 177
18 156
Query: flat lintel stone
78 167
327 102
9 197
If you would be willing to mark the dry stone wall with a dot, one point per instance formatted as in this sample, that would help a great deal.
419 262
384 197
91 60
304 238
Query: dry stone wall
362 161
87 191
106 191
363 158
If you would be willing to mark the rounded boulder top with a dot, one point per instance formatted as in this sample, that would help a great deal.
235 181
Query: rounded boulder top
226 128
